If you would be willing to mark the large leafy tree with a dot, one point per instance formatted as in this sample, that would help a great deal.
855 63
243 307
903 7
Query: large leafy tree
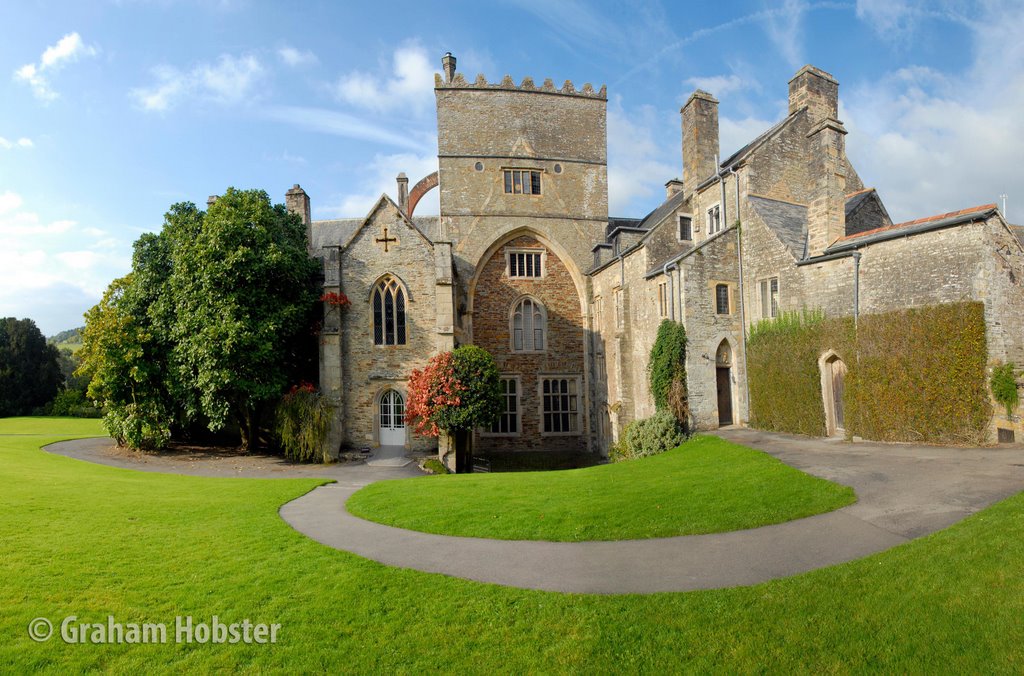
30 373
210 326
244 292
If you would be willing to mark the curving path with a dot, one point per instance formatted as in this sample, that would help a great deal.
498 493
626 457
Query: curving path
903 492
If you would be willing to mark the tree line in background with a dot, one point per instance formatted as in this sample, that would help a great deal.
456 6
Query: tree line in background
30 368
211 326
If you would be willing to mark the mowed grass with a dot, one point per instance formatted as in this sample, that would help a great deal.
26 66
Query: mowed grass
92 541
707 485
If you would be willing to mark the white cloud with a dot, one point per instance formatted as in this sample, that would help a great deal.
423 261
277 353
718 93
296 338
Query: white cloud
293 57
785 29
53 270
378 177
638 165
717 85
228 81
68 49
19 143
343 124
412 85
933 142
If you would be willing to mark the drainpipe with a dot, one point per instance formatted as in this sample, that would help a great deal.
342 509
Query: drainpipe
671 289
856 287
743 302
721 184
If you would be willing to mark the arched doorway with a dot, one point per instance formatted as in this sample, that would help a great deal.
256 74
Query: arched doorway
833 385
723 377
391 419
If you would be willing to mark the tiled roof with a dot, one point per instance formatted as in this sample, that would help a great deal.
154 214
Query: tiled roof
957 216
339 231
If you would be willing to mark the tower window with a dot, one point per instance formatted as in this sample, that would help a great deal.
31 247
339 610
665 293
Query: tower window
388 302
529 322
525 264
522 182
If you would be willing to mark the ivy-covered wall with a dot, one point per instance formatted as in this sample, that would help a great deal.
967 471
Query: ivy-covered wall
916 375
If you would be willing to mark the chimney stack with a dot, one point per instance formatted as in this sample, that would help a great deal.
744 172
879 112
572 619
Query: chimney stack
816 90
700 139
826 214
296 201
448 64
403 193
672 188
210 201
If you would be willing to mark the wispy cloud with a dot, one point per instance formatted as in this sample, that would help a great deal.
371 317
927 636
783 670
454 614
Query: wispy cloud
290 56
229 80
67 50
718 85
638 165
935 141
378 177
785 29
342 124
410 85
22 142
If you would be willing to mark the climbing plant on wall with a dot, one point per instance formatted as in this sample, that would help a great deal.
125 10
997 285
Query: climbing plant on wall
666 370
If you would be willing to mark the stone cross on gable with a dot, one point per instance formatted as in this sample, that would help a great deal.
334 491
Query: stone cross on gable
385 240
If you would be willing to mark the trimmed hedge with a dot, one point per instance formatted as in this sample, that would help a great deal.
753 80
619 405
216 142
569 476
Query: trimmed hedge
915 375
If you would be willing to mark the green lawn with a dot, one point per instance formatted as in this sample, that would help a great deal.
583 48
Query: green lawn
707 485
95 541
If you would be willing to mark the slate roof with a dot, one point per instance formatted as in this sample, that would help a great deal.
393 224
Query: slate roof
661 212
787 221
338 232
615 222
854 200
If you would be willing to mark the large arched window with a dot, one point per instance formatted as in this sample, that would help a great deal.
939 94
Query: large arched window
529 323
388 301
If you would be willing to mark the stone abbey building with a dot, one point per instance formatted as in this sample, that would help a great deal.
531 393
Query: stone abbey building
525 261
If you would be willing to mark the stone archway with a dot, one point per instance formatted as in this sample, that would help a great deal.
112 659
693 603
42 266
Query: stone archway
833 386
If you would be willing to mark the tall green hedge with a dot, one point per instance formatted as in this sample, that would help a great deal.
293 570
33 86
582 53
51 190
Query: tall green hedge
915 375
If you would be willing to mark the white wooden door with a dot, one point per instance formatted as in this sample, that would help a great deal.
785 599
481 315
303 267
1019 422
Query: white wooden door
392 419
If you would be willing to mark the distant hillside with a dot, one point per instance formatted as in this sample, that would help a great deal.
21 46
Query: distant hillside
71 339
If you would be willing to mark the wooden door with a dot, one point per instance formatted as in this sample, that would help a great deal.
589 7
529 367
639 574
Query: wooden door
724 396
838 384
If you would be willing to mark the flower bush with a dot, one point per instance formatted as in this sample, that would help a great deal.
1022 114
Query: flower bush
455 391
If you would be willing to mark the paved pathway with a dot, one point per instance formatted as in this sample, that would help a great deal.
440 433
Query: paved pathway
904 492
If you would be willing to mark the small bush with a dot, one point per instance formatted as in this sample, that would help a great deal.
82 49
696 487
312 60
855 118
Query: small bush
72 403
303 421
435 466
1004 387
648 436
141 426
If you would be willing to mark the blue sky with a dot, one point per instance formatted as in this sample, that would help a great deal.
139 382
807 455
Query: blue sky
112 111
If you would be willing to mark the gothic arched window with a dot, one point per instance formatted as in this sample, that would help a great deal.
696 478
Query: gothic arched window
529 322
388 301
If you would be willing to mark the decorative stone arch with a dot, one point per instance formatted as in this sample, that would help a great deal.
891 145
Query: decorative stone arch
398 280
833 384
378 401
726 390
537 310
425 185
559 251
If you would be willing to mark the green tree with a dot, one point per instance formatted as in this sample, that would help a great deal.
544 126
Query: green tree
30 373
456 392
244 291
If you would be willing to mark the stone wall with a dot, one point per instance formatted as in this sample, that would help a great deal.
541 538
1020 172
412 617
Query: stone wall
368 370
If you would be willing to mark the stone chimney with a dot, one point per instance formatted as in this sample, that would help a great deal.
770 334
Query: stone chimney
816 90
700 139
826 214
296 201
403 193
448 65
210 201
673 188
